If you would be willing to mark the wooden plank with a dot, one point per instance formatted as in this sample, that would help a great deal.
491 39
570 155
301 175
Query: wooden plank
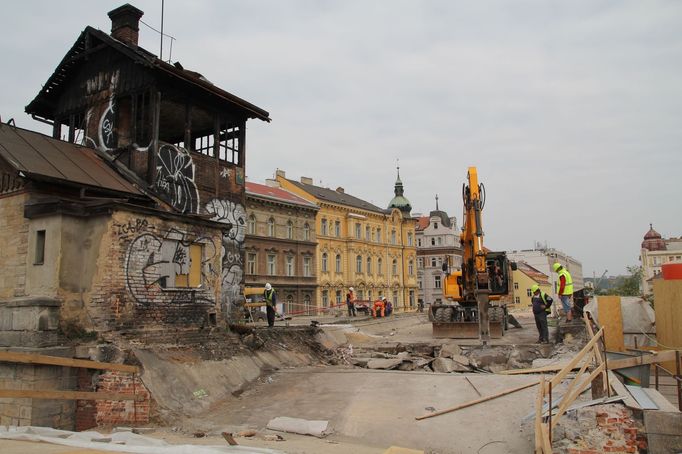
477 401
537 370
665 355
546 443
668 295
33 358
66 395
570 397
577 358
539 402
611 318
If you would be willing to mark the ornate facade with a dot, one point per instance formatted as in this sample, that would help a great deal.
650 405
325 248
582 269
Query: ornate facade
360 245
280 245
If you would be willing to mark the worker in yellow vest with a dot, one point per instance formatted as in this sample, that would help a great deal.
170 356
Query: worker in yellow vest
270 304
564 289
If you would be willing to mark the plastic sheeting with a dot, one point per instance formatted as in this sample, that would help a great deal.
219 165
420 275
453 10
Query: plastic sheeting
639 320
118 442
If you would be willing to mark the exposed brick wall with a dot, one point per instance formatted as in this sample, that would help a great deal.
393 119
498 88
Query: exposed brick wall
135 255
91 413
14 245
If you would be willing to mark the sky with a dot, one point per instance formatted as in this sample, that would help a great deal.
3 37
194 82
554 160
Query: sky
571 111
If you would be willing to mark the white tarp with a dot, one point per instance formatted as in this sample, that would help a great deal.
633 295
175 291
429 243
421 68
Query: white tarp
638 319
118 442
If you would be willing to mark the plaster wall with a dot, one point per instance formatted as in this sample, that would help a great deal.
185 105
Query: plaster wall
13 246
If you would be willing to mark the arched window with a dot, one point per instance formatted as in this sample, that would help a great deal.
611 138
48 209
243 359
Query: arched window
393 241
271 227
290 230
338 263
324 262
369 265
358 264
306 232
323 227
394 268
410 267
380 266
290 303
409 238
251 225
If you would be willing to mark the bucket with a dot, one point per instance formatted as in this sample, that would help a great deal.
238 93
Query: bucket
671 271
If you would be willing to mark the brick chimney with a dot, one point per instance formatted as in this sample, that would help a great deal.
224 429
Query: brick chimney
125 23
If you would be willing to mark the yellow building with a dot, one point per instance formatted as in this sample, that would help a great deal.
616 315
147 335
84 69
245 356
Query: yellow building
524 277
361 245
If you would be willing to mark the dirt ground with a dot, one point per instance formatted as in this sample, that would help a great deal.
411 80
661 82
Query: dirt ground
368 410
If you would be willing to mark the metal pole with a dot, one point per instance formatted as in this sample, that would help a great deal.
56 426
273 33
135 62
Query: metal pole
161 50
677 380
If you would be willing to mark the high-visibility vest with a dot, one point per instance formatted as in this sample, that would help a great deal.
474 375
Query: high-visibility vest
268 296
544 301
568 288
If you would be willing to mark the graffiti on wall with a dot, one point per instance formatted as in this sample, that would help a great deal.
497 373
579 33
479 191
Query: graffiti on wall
157 267
234 215
175 178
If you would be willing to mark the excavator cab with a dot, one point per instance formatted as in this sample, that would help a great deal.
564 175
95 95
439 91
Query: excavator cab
498 267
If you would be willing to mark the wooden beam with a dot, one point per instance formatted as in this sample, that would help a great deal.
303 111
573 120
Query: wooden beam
556 380
537 370
477 401
660 357
33 358
66 395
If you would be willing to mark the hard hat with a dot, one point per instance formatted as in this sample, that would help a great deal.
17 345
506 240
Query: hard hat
534 288
351 289
383 298
268 286
556 266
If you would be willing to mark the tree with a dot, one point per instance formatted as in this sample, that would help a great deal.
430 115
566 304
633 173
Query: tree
629 285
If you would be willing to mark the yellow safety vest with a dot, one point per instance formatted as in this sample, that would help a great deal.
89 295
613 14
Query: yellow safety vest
568 288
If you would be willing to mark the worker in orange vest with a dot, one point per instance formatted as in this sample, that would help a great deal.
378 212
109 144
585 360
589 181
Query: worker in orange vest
379 305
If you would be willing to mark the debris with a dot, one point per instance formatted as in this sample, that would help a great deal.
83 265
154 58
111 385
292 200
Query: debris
200 393
431 409
448 350
229 439
384 363
247 433
199 434
299 426
273 437
477 401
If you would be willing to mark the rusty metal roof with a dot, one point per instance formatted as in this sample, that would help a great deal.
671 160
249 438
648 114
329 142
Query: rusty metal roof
42 157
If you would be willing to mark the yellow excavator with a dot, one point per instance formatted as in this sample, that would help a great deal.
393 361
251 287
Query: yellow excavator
472 306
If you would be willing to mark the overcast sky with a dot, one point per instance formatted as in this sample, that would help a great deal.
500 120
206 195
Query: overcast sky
571 110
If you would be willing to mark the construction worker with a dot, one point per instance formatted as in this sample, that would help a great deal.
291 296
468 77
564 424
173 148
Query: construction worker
541 309
564 289
350 302
270 303
379 307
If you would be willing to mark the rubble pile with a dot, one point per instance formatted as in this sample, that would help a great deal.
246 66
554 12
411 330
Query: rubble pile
446 358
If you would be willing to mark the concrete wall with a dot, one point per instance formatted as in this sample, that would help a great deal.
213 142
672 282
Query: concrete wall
13 246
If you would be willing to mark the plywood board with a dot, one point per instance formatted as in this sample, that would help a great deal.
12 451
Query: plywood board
668 308
611 318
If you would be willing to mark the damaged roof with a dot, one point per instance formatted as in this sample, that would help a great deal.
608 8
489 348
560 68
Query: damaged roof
91 40
40 157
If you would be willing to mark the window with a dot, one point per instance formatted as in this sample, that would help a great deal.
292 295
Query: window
436 281
433 241
439 241
325 298
272 264
290 230
516 285
290 265
251 225
290 303
369 295
307 262
338 263
420 262
435 225
306 232
186 265
369 265
528 292
337 229
361 294
419 282
358 231
324 262
358 264
409 238
410 268
378 235
393 241
368 233
433 262
271 227
323 227
40 248
306 304
411 298
439 262
517 300
380 266
251 263
396 300
419 242
395 267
